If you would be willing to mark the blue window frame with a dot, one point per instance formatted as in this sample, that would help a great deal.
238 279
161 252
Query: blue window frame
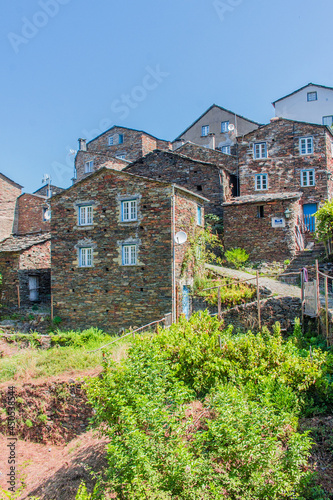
129 255
121 139
199 215
129 210
224 127
205 130
261 182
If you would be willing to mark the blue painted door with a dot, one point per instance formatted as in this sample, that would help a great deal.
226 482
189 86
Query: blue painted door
186 301
309 209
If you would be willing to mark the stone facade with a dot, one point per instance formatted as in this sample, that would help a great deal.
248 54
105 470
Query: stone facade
9 191
99 160
110 293
200 177
217 138
30 214
25 262
248 223
284 162
117 142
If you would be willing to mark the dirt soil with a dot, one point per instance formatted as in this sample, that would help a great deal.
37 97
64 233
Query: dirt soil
55 472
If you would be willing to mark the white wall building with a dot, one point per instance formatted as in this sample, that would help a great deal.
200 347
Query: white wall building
311 103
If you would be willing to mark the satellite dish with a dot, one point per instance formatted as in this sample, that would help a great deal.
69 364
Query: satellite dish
47 214
180 237
231 127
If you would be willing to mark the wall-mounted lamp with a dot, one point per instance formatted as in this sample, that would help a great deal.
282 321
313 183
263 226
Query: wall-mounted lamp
287 213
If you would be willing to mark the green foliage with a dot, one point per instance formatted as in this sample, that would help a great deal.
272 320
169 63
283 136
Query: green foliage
43 418
236 256
88 338
324 221
231 295
190 420
215 222
28 423
202 249
57 320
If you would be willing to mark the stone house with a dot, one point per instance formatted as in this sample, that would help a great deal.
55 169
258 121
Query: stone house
216 128
115 148
31 214
285 172
9 192
312 103
209 179
115 262
25 269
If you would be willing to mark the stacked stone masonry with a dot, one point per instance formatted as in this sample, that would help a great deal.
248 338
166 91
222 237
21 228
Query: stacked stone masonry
9 191
109 294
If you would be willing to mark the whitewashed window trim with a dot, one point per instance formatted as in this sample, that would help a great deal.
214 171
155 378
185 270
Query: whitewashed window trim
306 146
111 140
86 215
259 150
85 256
129 254
129 210
226 150
261 183
308 178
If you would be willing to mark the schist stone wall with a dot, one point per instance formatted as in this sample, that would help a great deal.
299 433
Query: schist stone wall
99 160
285 162
199 177
9 191
128 143
228 162
248 225
29 215
109 294
16 269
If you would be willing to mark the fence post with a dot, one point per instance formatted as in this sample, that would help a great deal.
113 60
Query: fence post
326 307
51 307
219 303
18 296
302 300
317 284
258 299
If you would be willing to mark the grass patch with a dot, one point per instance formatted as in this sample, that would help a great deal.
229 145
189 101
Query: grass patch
68 354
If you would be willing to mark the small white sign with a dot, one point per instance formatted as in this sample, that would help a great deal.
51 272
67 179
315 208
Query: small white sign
278 222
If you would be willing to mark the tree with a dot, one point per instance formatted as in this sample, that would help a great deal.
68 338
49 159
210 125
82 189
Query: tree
324 225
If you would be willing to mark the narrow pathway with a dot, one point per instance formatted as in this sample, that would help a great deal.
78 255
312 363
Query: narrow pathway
282 289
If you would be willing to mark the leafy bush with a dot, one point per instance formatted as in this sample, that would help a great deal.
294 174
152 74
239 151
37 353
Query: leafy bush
236 256
187 419
231 294
88 338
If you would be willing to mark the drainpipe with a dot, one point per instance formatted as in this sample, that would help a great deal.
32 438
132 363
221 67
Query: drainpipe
173 256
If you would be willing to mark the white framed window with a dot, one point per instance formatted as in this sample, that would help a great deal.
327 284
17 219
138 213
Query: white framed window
306 145
85 257
199 215
226 150
224 127
308 177
111 140
86 215
261 182
312 96
89 166
121 157
205 130
259 150
328 120
129 254
129 210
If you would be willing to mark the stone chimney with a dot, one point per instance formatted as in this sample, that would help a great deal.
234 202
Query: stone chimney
82 145
211 141
177 144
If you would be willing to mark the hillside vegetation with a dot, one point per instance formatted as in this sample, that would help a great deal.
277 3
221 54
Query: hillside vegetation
197 412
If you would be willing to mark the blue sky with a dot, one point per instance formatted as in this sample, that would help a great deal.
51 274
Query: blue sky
68 67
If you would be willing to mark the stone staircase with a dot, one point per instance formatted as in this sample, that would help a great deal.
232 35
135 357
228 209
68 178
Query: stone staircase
306 258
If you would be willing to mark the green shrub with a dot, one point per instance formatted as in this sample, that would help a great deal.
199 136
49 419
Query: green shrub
187 419
236 256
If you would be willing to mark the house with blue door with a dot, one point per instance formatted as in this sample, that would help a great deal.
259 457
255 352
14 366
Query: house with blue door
285 173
